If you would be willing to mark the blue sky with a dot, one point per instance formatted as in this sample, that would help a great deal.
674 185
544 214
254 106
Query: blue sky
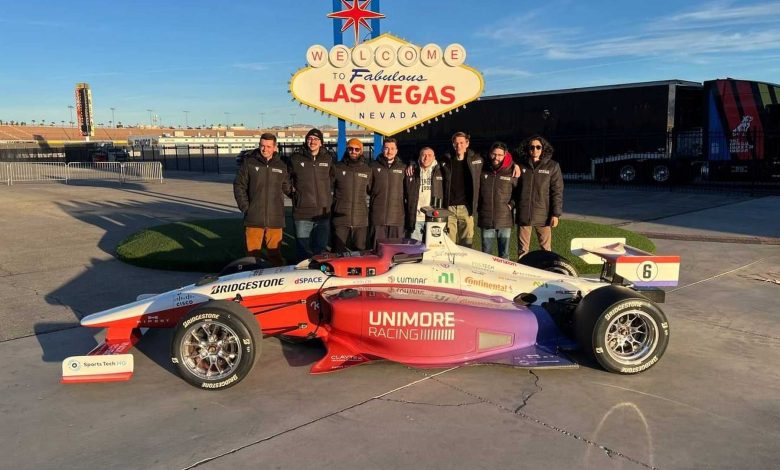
236 57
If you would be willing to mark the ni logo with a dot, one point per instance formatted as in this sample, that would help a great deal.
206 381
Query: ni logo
447 278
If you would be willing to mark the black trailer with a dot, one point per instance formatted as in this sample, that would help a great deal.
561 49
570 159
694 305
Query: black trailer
639 132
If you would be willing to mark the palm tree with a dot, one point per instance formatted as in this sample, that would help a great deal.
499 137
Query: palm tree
33 121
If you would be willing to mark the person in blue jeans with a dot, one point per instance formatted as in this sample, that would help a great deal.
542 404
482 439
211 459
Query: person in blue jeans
495 206
311 171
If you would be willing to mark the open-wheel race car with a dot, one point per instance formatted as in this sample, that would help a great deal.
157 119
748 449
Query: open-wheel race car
432 304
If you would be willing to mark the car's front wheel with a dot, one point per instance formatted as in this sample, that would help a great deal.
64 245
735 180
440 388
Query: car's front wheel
624 331
215 345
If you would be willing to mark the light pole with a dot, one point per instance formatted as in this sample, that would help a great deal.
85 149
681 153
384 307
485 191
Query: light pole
113 122
227 120
186 119
150 116
261 120
70 108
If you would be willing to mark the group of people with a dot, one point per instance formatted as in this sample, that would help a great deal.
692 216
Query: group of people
350 204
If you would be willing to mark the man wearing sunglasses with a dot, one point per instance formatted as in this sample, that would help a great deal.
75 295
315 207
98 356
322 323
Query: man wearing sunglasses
539 195
351 186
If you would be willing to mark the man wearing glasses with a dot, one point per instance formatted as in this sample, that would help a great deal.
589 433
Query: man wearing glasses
351 186
311 170
539 194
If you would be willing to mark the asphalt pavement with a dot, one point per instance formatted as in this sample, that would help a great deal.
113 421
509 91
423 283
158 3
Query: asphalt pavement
711 402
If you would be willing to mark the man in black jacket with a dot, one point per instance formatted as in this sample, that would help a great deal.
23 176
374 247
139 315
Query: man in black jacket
311 171
260 184
494 213
387 194
351 186
462 190
539 194
422 188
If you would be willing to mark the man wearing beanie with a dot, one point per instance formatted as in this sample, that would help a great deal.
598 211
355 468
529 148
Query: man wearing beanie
351 186
387 194
311 170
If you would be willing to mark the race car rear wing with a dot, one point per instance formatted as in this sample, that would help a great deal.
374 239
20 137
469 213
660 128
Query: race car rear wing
624 264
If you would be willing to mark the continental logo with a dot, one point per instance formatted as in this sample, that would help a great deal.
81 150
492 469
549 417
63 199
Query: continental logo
220 384
262 283
202 316
486 285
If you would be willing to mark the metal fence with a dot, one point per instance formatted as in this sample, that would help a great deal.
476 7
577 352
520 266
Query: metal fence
41 172
212 158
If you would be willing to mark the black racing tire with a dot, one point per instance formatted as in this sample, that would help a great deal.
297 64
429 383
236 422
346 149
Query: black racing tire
624 331
215 345
247 263
549 261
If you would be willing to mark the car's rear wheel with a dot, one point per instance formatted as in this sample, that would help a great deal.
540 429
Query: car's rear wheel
624 331
215 345
549 261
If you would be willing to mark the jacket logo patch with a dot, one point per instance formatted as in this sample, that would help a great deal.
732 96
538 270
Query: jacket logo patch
546 172
321 164
362 175
476 162
276 170
303 164
257 168
379 170
397 171
505 178
439 178
486 176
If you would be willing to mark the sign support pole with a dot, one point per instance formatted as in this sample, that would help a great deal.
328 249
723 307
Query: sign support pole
338 38
374 34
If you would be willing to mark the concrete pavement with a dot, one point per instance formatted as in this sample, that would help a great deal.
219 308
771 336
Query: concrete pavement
710 403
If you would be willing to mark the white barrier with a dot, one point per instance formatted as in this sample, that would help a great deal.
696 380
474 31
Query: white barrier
97 171
142 171
18 172
27 172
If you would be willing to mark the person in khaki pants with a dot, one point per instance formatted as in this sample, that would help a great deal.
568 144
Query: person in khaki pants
260 184
539 194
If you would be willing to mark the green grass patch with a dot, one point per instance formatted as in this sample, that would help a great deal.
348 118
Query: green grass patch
208 245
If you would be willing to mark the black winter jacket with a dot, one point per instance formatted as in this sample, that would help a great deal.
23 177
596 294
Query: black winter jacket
351 186
496 190
439 178
539 193
474 168
313 182
259 189
387 192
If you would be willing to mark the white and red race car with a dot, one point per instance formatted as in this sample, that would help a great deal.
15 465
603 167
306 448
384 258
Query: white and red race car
432 304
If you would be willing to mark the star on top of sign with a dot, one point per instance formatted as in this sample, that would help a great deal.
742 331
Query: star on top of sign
355 16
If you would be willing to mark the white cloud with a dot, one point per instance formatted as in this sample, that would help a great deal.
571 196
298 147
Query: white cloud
505 72
714 29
